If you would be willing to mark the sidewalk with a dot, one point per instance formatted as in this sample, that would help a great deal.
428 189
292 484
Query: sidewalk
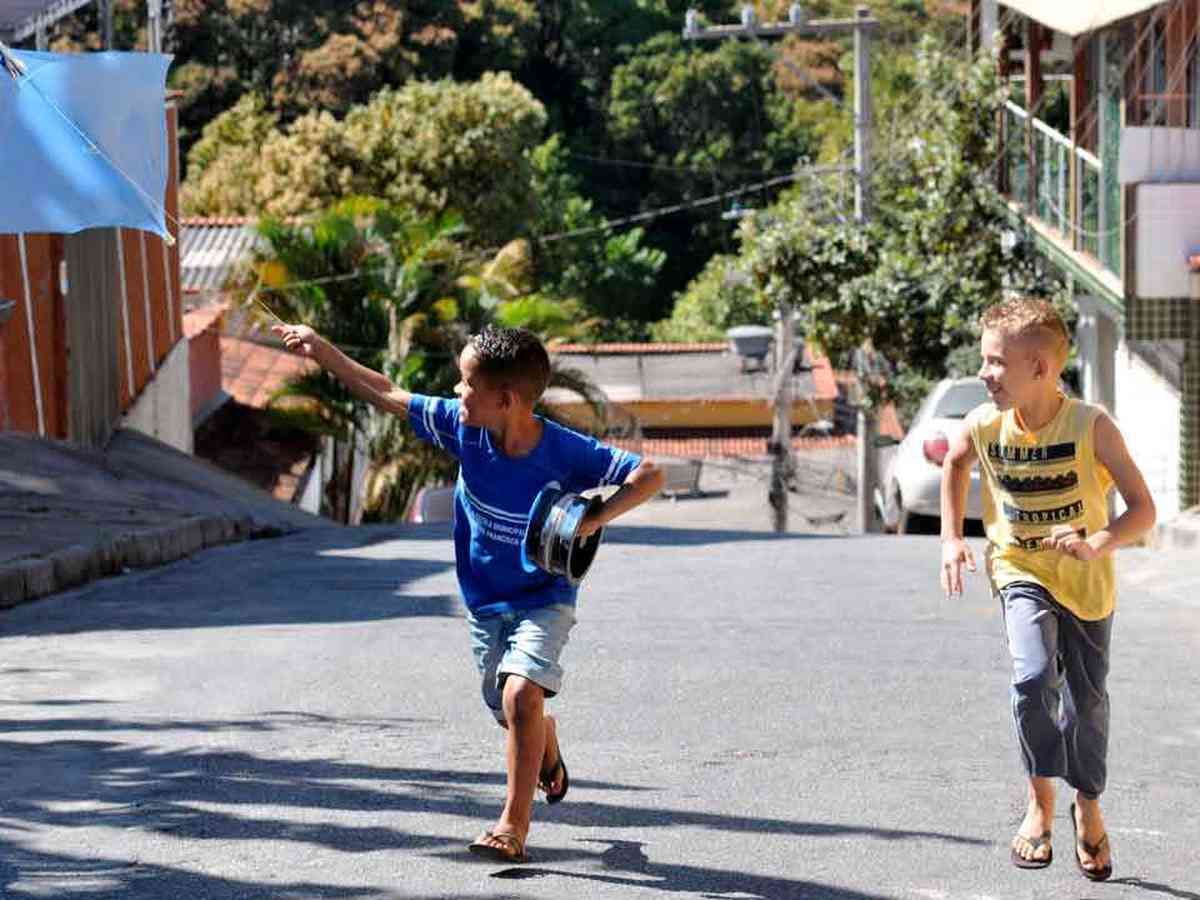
69 516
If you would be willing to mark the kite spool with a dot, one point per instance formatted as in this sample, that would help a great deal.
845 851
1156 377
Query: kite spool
550 538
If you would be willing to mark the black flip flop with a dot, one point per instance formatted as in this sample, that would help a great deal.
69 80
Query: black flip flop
1092 850
547 777
1037 843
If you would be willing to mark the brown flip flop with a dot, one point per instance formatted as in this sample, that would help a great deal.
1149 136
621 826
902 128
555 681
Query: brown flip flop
1035 844
546 778
512 851
1092 850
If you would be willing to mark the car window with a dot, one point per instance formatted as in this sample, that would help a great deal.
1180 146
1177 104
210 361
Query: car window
960 400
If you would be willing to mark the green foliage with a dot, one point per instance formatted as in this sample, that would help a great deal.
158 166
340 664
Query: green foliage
429 146
912 285
721 297
613 276
223 164
699 120
400 293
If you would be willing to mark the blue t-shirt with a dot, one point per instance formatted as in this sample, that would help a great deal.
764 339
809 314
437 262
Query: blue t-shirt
495 494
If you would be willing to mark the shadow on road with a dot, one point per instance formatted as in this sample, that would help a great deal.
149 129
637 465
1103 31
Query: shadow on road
61 785
1164 889
629 857
305 579
699 537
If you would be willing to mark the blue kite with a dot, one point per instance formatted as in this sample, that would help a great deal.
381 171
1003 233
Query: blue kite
83 141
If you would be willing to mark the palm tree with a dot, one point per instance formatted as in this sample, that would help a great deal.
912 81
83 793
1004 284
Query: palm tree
402 295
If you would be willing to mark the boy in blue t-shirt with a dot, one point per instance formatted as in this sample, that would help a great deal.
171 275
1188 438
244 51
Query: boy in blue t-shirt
518 619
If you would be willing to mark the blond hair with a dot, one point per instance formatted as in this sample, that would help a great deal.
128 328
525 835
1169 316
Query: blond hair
1030 317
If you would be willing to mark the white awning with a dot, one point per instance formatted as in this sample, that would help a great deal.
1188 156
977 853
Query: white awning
1080 16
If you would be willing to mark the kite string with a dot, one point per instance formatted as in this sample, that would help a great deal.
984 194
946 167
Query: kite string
155 206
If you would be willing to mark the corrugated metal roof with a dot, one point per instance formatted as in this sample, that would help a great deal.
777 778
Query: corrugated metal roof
212 249
19 18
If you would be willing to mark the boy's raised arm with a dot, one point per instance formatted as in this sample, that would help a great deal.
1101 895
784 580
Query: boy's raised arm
956 480
367 384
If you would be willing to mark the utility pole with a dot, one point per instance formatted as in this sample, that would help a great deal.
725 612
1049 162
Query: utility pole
154 26
782 463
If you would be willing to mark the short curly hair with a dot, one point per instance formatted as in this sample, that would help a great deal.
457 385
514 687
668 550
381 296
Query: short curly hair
1031 317
513 358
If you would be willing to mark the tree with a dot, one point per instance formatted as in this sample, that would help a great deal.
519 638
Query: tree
722 296
614 276
912 286
396 292
700 121
428 146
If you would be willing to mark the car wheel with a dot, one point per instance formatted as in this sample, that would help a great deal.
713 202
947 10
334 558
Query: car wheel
916 523
891 510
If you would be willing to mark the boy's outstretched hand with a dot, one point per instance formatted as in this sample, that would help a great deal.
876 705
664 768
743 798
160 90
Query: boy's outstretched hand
955 553
299 339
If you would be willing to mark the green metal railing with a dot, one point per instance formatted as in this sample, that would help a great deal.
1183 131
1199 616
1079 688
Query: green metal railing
1092 228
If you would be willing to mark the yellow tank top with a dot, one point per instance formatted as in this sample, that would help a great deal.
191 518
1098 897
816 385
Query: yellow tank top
1034 481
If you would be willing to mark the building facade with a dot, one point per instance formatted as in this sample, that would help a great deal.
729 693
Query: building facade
93 338
1101 160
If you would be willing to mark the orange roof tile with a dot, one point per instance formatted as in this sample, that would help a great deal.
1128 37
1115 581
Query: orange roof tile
198 321
695 347
701 447
252 372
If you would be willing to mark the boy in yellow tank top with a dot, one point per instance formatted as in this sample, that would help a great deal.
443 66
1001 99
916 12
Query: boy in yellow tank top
1048 463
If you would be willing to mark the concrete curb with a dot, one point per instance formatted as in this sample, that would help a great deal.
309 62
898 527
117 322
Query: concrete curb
29 579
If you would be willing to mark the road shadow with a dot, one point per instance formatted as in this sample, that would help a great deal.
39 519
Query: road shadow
652 535
623 856
1152 887
309 578
72 781
27 872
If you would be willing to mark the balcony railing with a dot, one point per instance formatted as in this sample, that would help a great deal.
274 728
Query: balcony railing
1082 210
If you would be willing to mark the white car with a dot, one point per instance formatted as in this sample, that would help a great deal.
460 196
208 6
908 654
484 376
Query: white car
909 500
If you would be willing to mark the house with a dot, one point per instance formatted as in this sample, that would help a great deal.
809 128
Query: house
699 400
93 337
1101 159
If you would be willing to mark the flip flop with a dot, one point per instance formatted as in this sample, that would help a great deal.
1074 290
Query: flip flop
512 851
1036 843
546 777
1092 850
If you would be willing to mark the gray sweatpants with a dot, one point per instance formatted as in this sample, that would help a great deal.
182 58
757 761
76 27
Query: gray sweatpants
1063 733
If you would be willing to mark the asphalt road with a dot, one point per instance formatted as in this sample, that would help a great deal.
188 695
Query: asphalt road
744 716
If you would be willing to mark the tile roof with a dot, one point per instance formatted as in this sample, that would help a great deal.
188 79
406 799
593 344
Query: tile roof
252 372
199 320
700 447
693 375
634 348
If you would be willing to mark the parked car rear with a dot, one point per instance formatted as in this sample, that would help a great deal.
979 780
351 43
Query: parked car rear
909 500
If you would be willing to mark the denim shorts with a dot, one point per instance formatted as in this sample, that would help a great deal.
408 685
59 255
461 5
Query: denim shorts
525 643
